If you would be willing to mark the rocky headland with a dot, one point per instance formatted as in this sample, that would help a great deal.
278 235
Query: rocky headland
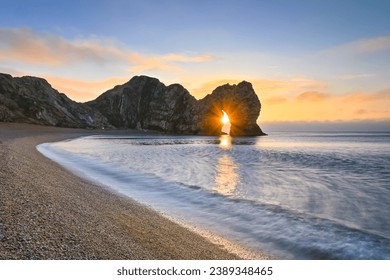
33 100
142 103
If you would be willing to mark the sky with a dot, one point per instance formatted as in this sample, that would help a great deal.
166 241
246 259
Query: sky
309 61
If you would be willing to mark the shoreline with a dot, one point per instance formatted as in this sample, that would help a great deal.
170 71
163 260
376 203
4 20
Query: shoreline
50 213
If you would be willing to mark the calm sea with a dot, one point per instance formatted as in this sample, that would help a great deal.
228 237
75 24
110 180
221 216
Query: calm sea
291 195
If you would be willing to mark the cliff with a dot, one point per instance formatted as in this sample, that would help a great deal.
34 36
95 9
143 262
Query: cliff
142 103
33 100
146 103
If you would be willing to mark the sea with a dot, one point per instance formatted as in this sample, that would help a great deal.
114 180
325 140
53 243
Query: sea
290 195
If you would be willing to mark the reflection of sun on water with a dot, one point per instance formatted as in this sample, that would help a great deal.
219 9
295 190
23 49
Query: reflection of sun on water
225 142
227 178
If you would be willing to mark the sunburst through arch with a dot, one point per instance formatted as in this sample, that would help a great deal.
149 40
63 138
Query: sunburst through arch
226 123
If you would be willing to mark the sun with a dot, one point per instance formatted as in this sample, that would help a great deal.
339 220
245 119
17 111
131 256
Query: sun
225 118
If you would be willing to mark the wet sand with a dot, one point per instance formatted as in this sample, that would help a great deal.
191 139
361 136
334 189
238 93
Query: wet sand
46 212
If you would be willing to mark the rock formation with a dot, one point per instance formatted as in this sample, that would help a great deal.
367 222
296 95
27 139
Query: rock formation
33 100
146 103
241 104
142 103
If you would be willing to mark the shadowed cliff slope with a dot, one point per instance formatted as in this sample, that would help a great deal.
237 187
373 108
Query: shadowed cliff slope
146 103
33 100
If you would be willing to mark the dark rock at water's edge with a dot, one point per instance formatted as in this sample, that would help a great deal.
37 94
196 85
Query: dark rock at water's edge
142 103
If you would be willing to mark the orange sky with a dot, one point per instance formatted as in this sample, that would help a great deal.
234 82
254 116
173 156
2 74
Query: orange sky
293 100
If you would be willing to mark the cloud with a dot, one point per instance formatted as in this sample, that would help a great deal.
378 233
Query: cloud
183 58
331 126
84 90
319 106
370 45
263 87
384 92
361 112
78 90
11 71
208 87
349 77
294 84
312 96
26 46
363 46
275 100
382 96
23 45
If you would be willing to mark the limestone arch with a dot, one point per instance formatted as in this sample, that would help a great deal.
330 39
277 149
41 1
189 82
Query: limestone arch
240 103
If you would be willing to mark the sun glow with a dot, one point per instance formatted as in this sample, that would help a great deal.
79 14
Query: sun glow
226 123
225 142
225 118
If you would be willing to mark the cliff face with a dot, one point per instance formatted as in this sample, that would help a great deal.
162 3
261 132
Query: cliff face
33 100
146 103
142 103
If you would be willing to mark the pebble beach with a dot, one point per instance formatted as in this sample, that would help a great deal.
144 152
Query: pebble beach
46 212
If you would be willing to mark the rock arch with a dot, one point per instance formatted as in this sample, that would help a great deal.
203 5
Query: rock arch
241 104
146 103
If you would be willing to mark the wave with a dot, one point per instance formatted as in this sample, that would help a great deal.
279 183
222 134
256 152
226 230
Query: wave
267 225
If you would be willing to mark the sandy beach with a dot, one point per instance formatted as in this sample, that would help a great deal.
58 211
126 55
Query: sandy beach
46 212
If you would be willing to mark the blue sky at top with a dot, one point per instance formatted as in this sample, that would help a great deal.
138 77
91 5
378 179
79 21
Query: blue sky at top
163 26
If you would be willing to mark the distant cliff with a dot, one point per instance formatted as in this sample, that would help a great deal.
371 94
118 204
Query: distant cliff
142 103
33 100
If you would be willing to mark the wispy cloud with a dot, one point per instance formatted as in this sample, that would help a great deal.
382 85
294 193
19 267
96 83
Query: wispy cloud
288 85
11 71
349 77
361 47
26 46
364 97
275 100
264 86
184 58
82 90
320 106
312 96
369 45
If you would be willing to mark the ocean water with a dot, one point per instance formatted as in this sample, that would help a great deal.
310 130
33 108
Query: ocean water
291 195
